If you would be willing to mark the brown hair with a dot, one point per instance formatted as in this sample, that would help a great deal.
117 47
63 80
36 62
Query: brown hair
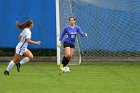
26 24
72 17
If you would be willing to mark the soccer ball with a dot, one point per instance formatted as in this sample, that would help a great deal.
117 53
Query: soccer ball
66 69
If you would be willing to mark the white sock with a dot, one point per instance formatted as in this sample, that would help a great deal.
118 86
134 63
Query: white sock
10 66
24 60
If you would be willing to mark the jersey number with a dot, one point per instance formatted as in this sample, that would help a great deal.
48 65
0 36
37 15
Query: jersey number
73 36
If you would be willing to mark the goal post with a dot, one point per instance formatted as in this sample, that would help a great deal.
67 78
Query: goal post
57 31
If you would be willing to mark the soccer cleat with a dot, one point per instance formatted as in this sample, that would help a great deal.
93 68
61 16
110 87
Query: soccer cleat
61 67
18 67
6 73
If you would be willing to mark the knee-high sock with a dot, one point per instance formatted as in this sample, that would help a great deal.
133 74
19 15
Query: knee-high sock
10 66
67 62
64 61
24 60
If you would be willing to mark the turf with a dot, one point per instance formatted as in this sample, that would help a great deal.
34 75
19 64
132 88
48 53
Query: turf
86 78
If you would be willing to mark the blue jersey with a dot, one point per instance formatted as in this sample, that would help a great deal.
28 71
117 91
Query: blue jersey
71 33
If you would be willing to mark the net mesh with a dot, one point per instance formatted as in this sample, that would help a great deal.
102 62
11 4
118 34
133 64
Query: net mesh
112 27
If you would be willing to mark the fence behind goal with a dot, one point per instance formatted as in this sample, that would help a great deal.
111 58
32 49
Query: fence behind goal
42 12
113 28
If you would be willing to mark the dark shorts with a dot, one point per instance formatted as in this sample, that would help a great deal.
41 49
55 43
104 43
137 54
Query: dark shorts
65 44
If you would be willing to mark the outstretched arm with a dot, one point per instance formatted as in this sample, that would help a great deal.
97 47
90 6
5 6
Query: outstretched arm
28 39
80 32
33 42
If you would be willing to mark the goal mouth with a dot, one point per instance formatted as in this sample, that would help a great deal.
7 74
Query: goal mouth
112 28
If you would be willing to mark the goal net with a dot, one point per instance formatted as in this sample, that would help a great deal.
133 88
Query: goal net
112 27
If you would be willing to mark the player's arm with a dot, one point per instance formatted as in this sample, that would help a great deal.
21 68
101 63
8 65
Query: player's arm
81 33
61 37
62 34
28 39
32 42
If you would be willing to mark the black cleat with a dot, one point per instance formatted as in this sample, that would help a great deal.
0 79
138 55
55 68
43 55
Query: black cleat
18 67
6 73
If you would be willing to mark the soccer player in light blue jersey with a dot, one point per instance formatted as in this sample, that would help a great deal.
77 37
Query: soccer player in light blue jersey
71 32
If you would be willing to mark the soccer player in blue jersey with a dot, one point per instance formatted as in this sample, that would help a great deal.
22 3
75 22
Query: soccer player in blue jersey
21 48
69 42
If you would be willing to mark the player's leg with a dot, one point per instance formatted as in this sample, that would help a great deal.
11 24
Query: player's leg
28 57
67 55
71 54
11 64
65 58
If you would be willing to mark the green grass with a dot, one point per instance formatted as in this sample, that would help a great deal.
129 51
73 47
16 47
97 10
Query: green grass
86 78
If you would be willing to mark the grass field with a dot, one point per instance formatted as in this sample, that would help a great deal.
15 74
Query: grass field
86 78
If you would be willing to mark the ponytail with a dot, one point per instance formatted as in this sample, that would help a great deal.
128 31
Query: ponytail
24 25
